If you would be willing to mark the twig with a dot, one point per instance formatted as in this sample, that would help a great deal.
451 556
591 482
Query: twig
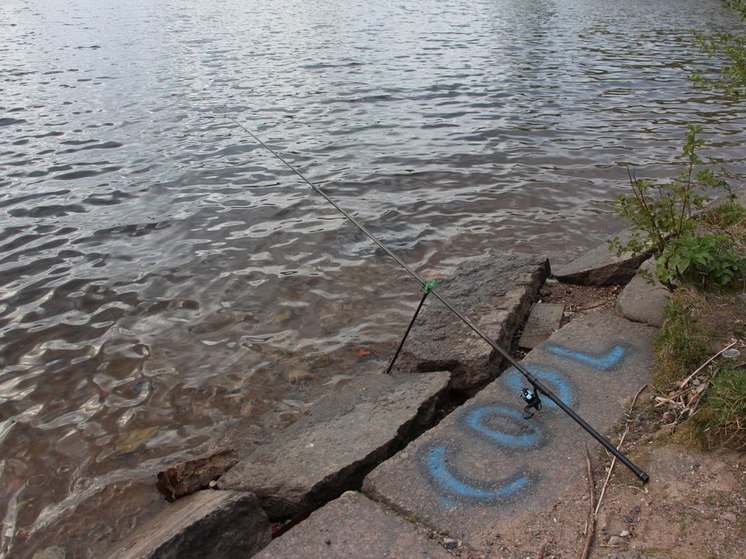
591 514
608 475
613 460
634 401
710 360
582 309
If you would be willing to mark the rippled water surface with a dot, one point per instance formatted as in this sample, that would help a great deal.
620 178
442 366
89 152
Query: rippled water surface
163 279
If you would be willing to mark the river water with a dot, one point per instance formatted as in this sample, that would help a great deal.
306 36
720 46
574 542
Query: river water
164 278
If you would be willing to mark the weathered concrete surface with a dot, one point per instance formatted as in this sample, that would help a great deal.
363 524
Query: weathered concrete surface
353 527
496 293
204 525
484 464
343 437
601 266
644 299
543 321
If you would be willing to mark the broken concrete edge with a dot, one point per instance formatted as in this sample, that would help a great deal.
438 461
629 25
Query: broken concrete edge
303 468
601 266
497 292
204 525
354 527
350 478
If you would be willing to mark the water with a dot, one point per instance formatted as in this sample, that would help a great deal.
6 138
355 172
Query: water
165 283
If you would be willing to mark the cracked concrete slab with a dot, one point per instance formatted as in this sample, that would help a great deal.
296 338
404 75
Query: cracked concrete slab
353 527
344 435
485 463
496 293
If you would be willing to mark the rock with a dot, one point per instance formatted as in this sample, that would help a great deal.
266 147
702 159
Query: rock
342 438
496 293
615 541
204 525
644 299
196 474
624 534
450 543
601 266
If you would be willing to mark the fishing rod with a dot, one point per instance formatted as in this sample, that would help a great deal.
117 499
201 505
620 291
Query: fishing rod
531 397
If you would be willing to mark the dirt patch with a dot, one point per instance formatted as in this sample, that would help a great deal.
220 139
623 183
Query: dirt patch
693 507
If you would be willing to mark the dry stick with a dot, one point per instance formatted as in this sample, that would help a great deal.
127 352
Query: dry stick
608 475
710 360
591 514
583 309
613 460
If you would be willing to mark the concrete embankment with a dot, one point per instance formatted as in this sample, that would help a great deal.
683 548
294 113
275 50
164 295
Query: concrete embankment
377 461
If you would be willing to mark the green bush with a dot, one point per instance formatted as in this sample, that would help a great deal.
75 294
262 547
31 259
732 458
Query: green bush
701 259
663 221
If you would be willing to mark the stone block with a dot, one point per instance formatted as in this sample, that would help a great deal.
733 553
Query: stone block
344 436
485 464
601 266
204 525
543 321
353 527
497 294
644 299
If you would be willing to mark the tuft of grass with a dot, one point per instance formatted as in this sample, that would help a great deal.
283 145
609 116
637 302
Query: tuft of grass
697 324
727 214
721 418
682 343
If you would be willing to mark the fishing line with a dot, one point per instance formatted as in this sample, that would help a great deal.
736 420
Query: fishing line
531 398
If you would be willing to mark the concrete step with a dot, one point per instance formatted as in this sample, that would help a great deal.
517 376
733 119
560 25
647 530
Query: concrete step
345 435
204 525
485 464
496 293
353 527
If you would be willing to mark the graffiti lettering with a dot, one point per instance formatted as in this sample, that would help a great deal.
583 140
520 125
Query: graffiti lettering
514 381
504 427
450 486
605 361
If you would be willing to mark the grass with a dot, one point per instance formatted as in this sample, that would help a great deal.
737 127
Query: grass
698 324
721 418
683 343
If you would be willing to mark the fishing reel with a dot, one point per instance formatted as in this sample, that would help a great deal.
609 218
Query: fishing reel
533 402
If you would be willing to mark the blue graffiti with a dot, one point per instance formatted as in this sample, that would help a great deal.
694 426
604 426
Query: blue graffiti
451 485
475 419
515 381
605 361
